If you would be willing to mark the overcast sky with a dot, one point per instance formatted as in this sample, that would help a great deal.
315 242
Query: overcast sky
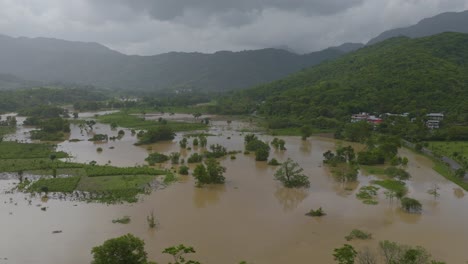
155 26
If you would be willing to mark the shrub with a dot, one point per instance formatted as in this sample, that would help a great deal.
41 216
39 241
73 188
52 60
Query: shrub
183 170
195 158
274 162
316 213
358 234
123 220
154 158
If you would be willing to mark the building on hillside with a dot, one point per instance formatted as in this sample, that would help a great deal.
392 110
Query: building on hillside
391 114
359 117
374 120
433 120
366 117
433 124
435 116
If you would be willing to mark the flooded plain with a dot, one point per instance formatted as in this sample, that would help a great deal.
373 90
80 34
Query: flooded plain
252 217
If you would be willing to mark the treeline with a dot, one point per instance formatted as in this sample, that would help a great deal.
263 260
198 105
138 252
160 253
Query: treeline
15 100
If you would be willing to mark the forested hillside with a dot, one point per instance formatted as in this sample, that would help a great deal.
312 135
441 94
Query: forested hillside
398 75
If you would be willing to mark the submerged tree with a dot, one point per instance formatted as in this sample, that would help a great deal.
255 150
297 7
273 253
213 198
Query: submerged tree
411 205
126 249
178 253
345 254
212 173
434 191
290 174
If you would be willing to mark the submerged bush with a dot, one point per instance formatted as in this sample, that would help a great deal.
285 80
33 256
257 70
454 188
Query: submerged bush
358 234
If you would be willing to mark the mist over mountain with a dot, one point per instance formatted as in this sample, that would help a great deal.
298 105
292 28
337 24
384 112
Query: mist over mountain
445 22
52 60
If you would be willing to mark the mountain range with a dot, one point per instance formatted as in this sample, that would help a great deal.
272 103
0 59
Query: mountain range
32 61
52 60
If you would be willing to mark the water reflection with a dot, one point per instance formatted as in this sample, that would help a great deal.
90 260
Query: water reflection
207 195
458 192
306 146
290 198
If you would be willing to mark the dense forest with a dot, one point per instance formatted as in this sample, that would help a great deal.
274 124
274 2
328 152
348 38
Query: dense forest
398 75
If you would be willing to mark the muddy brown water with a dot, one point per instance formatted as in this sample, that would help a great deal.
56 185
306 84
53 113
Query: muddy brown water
250 218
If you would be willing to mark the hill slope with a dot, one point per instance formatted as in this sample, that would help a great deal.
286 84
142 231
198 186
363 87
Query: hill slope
397 75
53 60
445 22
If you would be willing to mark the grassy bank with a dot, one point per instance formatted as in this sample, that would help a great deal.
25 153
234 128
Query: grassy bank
457 150
134 122
445 171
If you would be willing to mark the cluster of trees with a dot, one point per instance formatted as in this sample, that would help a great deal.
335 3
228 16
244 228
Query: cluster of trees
209 173
15 100
343 163
390 252
260 148
161 133
385 148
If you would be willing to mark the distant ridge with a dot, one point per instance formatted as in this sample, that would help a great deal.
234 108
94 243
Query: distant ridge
445 22
52 60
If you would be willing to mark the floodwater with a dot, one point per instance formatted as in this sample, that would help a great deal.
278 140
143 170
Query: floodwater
251 217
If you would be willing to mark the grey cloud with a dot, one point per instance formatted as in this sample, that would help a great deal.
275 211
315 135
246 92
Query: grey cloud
150 27
168 10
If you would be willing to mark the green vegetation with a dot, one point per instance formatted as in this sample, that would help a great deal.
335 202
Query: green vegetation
457 150
397 187
345 254
397 173
445 171
183 170
14 150
104 183
154 158
398 75
169 178
358 234
389 252
261 149
162 133
411 205
342 164
291 176
124 220
127 120
316 213
98 170
126 249
195 158
212 173
20 99
278 144
375 170
63 185
368 194
217 151
273 162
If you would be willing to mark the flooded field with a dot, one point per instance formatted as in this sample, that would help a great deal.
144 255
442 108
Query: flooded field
252 217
